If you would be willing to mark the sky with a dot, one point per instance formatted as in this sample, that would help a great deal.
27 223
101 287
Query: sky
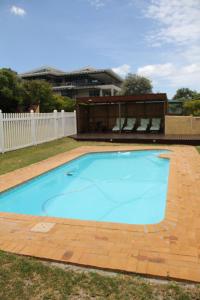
159 39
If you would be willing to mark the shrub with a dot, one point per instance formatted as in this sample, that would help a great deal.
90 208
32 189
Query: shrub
192 107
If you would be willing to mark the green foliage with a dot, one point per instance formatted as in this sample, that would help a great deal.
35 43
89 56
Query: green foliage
65 103
192 107
13 160
185 94
37 92
196 96
11 91
135 85
18 95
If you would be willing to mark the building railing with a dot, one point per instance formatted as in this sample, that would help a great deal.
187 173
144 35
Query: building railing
80 84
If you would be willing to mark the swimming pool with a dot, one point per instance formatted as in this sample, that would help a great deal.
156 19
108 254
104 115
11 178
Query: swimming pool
124 187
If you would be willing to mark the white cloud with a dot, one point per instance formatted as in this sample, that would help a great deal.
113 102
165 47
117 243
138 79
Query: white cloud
122 70
97 3
176 23
160 70
191 53
188 75
18 11
178 20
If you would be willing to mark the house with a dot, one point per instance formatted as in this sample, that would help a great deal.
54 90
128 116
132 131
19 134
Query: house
86 82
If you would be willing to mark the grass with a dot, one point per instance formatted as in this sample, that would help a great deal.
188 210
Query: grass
13 160
25 278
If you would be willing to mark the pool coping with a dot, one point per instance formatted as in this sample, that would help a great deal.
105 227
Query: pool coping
168 227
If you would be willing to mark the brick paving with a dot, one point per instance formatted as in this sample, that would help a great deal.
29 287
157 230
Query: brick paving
168 249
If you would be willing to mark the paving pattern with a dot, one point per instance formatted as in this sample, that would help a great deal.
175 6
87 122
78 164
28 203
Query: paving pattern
168 249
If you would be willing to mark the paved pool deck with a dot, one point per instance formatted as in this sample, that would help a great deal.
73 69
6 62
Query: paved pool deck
169 249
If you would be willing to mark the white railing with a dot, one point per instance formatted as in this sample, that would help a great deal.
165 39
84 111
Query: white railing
20 130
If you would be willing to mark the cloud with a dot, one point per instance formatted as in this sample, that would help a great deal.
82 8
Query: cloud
122 70
159 70
191 53
97 3
184 76
177 32
18 11
178 20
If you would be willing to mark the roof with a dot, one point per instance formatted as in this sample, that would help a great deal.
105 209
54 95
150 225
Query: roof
134 98
42 71
46 70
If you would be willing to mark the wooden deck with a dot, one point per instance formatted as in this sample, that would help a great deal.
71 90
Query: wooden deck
139 138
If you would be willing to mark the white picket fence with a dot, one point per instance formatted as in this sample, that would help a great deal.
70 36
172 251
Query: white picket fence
20 130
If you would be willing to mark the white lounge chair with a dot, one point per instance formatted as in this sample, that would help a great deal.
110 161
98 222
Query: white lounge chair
155 124
117 126
130 124
144 123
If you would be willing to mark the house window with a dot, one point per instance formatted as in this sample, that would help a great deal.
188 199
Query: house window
106 93
94 93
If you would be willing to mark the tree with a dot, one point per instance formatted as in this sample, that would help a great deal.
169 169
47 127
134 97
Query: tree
37 92
65 103
18 95
196 96
135 85
192 107
184 94
11 91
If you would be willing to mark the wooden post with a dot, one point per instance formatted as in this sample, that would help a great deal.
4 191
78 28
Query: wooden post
78 129
120 118
1 133
165 108
107 121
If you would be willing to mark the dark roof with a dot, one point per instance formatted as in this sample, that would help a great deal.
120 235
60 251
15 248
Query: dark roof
46 70
134 98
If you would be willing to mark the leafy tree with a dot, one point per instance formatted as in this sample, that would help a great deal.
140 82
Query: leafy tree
135 85
192 107
65 103
11 91
196 96
18 95
184 94
37 92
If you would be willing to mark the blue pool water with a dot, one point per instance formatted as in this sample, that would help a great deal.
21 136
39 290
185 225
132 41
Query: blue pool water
122 187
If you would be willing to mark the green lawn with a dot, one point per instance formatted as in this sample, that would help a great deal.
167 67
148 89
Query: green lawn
10 161
20 158
25 278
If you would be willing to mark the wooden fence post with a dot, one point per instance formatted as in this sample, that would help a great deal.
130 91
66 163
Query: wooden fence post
1 133
33 133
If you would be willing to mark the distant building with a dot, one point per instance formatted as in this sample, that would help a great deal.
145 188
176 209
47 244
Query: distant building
86 82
